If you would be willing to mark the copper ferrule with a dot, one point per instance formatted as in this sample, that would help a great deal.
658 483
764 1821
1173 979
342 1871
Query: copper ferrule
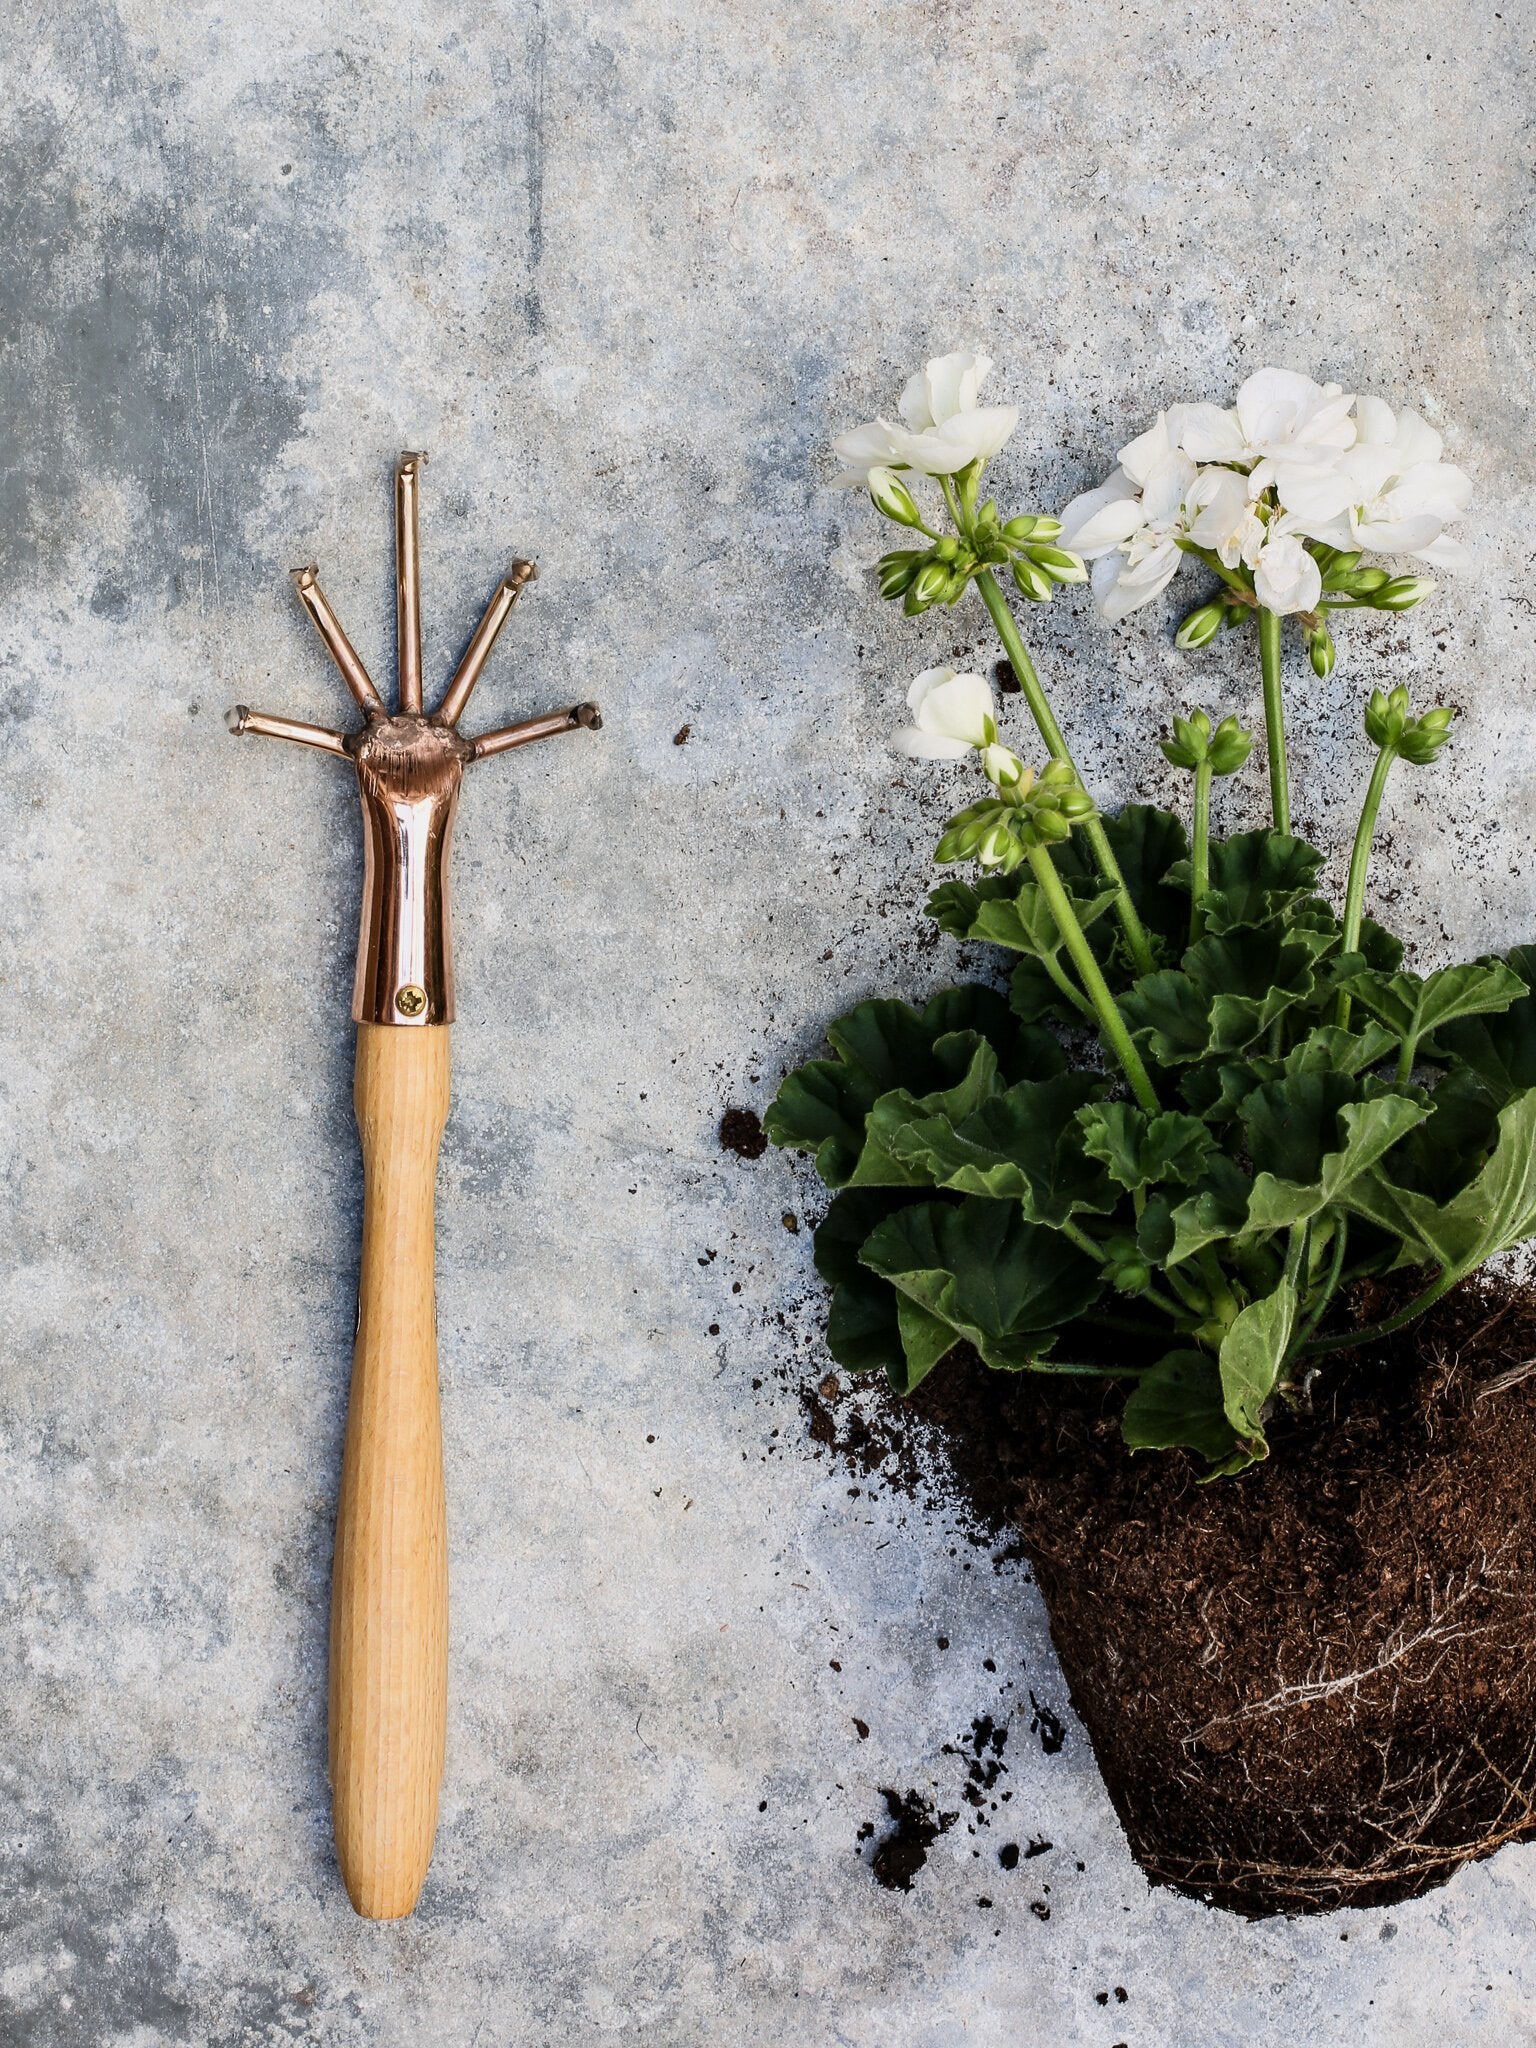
409 768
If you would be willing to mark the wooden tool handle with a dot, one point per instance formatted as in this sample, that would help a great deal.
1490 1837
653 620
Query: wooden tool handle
389 1594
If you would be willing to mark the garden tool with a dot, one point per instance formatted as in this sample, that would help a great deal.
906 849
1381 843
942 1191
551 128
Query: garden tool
389 1596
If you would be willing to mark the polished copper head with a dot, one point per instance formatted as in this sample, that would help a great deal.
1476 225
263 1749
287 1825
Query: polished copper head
409 768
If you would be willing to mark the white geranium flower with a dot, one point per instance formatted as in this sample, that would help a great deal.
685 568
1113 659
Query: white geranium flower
1285 577
1225 520
943 430
952 715
1130 527
1281 421
1398 496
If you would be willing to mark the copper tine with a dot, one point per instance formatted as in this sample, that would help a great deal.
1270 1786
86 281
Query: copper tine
243 719
477 653
337 645
545 728
408 579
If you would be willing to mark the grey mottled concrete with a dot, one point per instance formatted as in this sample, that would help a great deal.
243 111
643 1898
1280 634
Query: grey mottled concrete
622 269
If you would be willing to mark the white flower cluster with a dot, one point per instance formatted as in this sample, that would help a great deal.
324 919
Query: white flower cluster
1291 462
943 428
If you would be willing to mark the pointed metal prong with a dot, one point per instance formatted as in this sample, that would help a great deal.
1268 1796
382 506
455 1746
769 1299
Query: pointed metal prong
337 645
241 718
477 653
545 728
408 579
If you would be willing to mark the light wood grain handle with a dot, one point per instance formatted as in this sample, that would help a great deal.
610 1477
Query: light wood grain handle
389 1594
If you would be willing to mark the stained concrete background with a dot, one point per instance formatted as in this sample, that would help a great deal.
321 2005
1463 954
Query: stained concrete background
623 270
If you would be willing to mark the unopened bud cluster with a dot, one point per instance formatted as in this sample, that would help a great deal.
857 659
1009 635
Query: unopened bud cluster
921 577
1390 724
1197 743
1037 810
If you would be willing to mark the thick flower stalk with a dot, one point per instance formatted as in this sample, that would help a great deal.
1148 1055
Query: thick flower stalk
1206 751
947 435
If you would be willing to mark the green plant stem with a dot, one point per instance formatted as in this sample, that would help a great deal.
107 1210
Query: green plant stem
1075 1234
1274 719
1112 1025
1359 866
1059 976
1348 1339
1200 850
1304 1336
1045 719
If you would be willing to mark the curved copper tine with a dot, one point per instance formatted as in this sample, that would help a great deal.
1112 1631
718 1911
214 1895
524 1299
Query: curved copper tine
357 679
241 718
408 581
477 653
580 717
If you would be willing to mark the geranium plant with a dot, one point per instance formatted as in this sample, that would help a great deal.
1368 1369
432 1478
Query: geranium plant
1212 1099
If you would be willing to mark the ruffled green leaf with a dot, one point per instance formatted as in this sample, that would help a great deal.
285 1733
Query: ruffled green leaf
1178 1404
1015 914
863 1332
1413 1006
1140 1151
1362 1133
1217 1210
1255 877
1025 1145
1499 1049
1001 1283
883 1045
1492 1212
881 1164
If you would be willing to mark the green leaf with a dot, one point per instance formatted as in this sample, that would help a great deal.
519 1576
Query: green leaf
1328 1049
1252 1353
1500 1050
1441 1156
1025 1145
999 1282
1016 916
1218 1210
1178 1403
1255 876
1248 977
881 1164
1139 1150
883 1045
1367 1131
1168 1016
863 1332
924 1341
1148 843
1413 1006
1494 1211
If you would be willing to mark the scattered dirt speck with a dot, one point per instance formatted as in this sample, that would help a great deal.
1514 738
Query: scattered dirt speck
742 1133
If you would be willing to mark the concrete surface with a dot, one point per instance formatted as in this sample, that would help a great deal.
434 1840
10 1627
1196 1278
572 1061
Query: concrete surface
623 270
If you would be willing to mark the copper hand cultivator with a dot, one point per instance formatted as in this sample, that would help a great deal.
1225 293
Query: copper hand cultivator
389 1600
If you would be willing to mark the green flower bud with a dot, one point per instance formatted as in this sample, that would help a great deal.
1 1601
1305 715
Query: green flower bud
891 496
1386 717
996 555
1202 625
1019 529
1033 583
1077 804
1125 1266
948 549
897 569
1426 736
1234 614
1190 743
959 577
1060 564
1051 826
1337 564
928 586
1321 651
1231 744
1046 529
1402 593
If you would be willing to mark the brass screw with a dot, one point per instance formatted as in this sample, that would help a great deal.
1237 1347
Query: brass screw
411 1000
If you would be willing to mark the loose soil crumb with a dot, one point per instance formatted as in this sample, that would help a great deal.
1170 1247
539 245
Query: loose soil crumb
901 1854
743 1134
1307 1687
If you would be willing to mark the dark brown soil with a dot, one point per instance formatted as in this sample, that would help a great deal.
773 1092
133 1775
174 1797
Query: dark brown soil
743 1134
1311 1686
